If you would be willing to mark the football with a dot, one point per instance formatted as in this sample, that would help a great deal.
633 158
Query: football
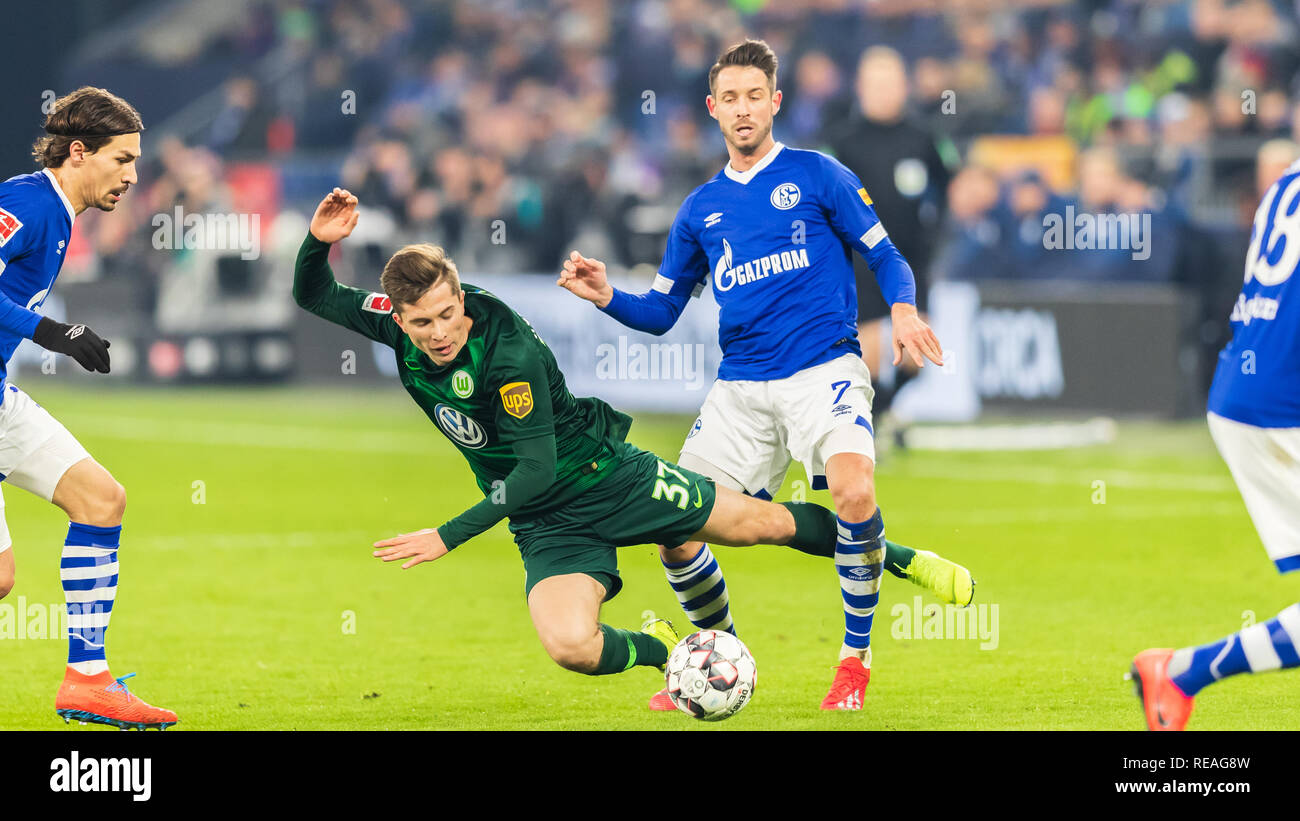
711 675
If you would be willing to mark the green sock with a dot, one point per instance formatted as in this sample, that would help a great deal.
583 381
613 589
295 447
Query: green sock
625 649
897 557
814 529
815 534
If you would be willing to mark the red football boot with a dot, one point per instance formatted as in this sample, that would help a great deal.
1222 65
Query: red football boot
1165 706
661 702
103 699
849 686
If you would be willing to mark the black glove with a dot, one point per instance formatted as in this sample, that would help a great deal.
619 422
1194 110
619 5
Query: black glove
77 341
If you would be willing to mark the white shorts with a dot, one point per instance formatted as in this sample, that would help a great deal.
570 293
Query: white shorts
35 450
1265 463
752 430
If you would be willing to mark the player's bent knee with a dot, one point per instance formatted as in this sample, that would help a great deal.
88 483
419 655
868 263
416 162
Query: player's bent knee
856 496
6 586
857 499
90 495
106 505
768 523
680 553
571 646
113 499
781 523
118 500
578 656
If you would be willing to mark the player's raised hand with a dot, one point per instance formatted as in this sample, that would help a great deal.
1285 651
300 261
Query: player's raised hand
911 333
335 217
585 277
420 546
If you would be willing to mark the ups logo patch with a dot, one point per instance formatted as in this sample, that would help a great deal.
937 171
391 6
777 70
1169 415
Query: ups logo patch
517 398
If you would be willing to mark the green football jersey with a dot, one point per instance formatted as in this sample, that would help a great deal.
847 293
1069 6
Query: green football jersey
503 386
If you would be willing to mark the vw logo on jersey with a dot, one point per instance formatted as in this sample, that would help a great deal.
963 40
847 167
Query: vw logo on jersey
464 430
723 275
699 423
785 196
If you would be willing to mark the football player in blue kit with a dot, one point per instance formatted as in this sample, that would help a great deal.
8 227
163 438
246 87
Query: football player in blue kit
87 160
776 229
1254 418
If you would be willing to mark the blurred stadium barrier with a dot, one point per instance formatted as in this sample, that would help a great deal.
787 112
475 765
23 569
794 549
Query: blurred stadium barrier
1053 348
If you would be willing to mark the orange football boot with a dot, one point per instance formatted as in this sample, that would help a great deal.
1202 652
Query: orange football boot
1166 707
103 699
849 686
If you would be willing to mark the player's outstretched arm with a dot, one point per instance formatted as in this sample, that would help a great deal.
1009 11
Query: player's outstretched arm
533 473
913 335
653 312
585 277
313 281
314 287
419 547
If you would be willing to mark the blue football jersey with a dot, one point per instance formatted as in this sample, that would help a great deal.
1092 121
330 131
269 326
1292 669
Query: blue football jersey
1257 381
776 242
35 227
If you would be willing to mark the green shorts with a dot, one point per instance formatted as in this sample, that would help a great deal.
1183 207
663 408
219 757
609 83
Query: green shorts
644 500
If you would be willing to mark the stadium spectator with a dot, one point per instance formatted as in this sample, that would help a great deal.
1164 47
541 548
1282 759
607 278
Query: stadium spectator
527 94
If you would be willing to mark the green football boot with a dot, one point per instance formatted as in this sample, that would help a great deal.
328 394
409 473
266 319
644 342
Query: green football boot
661 629
946 579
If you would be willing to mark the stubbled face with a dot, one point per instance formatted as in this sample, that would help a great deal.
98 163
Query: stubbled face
109 172
437 323
744 107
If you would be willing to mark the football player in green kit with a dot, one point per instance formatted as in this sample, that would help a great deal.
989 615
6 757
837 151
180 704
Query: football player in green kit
557 466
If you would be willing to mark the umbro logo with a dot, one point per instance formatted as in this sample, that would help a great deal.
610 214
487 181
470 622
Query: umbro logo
860 572
76 331
713 219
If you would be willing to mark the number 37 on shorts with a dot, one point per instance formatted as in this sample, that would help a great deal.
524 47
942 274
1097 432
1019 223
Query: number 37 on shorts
675 486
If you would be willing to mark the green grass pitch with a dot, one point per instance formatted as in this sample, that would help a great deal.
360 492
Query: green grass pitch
249 599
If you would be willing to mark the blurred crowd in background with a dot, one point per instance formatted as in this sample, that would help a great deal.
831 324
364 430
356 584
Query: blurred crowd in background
581 123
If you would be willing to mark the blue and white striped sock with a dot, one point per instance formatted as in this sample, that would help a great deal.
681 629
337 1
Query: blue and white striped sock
1273 645
859 561
702 591
89 573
